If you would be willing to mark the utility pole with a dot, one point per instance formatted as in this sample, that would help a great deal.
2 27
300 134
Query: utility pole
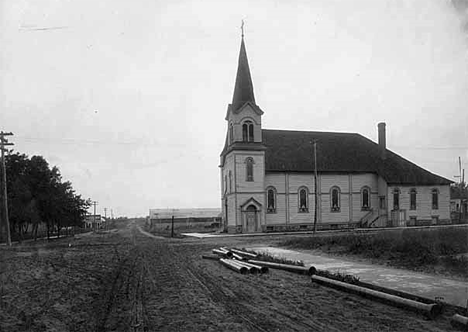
94 215
105 216
315 186
172 227
459 176
6 221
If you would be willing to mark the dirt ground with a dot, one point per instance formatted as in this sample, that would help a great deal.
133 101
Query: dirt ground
127 281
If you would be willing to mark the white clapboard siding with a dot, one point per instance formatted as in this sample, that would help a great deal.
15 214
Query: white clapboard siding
231 210
364 180
330 180
327 216
358 213
276 180
301 180
424 209
279 217
258 173
296 217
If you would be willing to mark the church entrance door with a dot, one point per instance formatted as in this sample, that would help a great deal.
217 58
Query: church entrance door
251 219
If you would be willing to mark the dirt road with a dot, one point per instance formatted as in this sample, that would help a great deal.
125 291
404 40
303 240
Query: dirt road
128 281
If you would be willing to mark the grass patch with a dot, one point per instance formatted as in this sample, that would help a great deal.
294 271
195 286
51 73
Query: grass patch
348 278
266 257
426 250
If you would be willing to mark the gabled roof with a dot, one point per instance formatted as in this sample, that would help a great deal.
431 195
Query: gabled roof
238 109
292 151
243 90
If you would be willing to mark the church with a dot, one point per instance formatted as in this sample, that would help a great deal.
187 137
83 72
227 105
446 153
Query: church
284 180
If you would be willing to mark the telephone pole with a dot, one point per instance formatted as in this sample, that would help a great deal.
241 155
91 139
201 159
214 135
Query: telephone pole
94 215
105 217
315 186
5 219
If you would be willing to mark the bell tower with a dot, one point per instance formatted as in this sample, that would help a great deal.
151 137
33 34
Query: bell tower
243 157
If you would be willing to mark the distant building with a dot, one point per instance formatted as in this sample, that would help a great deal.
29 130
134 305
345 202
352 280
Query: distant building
268 180
197 214
459 204
92 221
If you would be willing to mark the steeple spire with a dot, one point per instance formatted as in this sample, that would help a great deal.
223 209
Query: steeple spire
243 90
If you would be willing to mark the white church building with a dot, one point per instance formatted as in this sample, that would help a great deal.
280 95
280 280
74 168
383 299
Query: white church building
271 180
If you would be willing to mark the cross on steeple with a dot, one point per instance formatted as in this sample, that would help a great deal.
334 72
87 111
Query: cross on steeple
242 28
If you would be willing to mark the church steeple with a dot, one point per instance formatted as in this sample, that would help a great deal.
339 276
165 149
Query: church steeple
243 90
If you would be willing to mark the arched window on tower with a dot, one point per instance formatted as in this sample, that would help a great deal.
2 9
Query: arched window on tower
231 134
225 184
249 169
271 200
230 181
248 131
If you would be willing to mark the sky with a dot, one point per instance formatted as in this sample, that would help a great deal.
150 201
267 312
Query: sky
128 98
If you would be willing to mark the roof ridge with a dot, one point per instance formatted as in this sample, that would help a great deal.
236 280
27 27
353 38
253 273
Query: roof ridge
312 131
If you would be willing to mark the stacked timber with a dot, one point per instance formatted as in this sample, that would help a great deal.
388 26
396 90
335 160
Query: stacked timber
240 258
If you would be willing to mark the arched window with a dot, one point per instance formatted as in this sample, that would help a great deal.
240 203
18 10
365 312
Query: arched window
435 199
271 200
365 198
231 134
335 199
413 199
225 184
303 200
248 131
249 169
396 199
230 181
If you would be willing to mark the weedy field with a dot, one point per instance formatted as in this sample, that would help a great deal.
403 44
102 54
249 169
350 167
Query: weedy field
127 281
442 251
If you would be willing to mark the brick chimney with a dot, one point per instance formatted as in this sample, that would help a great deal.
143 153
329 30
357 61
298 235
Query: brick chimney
382 140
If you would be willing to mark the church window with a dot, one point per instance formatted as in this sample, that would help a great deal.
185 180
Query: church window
365 198
435 199
303 201
396 199
248 131
249 167
335 199
230 181
271 200
231 134
413 199
225 184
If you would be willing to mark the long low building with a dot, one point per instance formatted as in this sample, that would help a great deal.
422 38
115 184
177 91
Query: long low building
196 214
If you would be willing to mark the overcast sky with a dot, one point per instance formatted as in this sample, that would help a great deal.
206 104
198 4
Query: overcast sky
128 98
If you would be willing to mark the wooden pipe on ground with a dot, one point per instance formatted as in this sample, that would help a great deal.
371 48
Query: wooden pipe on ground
243 253
431 310
261 269
459 321
292 268
249 268
222 253
229 264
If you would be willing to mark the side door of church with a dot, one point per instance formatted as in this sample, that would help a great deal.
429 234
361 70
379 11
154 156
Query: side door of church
251 219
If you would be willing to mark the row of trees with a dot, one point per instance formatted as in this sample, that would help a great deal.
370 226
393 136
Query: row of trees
37 195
